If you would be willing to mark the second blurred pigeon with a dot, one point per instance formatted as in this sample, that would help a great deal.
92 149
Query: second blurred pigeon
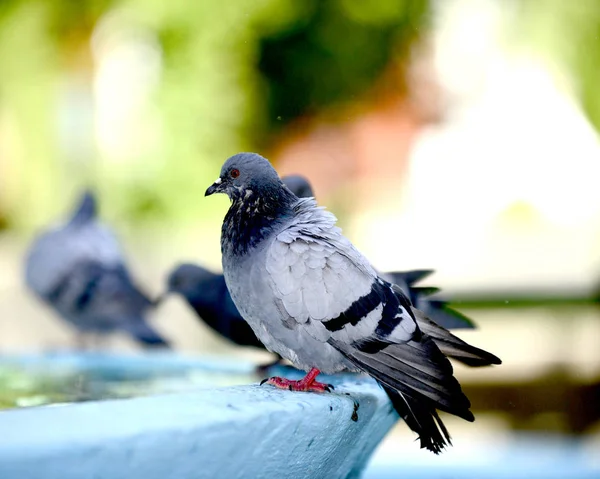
207 293
78 269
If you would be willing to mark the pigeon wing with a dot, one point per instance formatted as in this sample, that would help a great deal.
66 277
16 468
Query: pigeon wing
327 287
324 285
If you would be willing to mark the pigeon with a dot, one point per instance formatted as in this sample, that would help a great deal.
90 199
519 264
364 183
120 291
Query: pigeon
77 269
312 297
207 294
298 185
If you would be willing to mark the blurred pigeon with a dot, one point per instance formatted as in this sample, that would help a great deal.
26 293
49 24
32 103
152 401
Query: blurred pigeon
78 269
208 296
310 296
298 185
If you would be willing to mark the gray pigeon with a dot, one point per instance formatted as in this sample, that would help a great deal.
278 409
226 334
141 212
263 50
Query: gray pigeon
77 268
311 297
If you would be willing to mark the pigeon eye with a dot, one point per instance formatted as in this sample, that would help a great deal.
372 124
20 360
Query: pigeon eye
234 173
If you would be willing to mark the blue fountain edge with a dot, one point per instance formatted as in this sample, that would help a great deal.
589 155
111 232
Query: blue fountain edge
239 431
145 360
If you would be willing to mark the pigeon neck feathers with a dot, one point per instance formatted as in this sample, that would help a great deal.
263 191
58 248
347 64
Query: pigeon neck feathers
254 214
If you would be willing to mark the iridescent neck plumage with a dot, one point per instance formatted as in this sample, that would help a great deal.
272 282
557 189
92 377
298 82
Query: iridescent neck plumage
253 217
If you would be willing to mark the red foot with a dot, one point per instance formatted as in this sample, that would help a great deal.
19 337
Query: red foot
308 383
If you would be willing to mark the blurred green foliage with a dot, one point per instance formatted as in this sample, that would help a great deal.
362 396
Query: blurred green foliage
569 33
230 74
332 51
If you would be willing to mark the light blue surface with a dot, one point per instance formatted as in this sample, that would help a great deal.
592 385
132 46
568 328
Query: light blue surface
526 456
155 361
243 431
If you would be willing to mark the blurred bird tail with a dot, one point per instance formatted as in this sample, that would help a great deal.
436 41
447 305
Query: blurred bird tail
452 346
422 419
144 333
409 277
86 209
437 309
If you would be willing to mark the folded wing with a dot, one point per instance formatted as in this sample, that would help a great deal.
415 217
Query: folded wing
327 287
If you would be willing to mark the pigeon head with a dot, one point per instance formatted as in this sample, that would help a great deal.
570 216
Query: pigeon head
298 185
247 174
260 201
187 279
86 209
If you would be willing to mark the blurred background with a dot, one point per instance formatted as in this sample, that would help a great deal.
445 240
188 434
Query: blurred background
457 135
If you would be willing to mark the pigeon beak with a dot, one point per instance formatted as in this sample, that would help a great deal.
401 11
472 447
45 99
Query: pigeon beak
216 187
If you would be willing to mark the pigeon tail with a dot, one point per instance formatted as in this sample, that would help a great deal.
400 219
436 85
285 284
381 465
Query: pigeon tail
416 369
445 316
437 309
454 347
409 277
423 420
86 211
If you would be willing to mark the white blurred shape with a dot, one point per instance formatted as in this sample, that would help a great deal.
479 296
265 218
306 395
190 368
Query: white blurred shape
128 69
503 194
468 32
75 119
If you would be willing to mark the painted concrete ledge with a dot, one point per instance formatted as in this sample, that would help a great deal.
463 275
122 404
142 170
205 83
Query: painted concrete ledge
234 432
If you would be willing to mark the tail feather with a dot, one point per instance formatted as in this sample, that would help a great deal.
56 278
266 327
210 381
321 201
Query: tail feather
419 291
409 277
445 316
437 309
86 209
452 346
417 369
417 374
421 419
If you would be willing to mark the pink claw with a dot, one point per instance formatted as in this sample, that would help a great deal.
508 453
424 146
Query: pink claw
307 383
